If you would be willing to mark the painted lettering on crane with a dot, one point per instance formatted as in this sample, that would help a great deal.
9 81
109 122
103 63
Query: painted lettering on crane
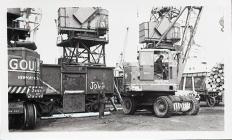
22 64
97 85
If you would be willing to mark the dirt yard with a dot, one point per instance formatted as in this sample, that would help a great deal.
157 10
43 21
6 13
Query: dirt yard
208 119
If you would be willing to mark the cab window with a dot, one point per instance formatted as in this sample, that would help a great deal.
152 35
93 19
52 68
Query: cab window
199 83
146 58
181 83
188 84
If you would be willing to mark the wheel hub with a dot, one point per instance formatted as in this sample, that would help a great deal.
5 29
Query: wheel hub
161 107
128 105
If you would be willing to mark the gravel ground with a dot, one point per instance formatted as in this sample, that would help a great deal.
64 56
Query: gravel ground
208 119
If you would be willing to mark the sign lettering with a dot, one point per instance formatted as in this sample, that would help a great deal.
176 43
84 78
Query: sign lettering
22 64
97 85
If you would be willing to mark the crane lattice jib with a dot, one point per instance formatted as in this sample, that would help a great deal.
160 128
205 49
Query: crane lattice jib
190 41
193 34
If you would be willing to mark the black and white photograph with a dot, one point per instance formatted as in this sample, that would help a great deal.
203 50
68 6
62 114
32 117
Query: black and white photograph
115 69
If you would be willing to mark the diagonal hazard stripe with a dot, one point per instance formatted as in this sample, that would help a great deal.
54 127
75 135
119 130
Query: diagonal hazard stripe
28 90
18 90
9 88
13 90
23 90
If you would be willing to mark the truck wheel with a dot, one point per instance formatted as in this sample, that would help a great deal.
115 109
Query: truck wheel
194 108
163 107
210 101
129 105
30 116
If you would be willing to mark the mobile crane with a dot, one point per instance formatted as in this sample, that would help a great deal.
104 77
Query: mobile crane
169 34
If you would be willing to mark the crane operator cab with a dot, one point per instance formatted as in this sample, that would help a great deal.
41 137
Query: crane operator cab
155 64
160 65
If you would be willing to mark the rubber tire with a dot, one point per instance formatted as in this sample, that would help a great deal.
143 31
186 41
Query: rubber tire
195 107
187 98
30 114
168 111
132 107
210 101
174 98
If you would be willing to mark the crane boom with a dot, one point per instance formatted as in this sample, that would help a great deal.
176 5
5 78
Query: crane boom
181 65
124 48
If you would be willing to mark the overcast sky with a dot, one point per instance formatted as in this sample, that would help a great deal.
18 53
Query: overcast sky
208 35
